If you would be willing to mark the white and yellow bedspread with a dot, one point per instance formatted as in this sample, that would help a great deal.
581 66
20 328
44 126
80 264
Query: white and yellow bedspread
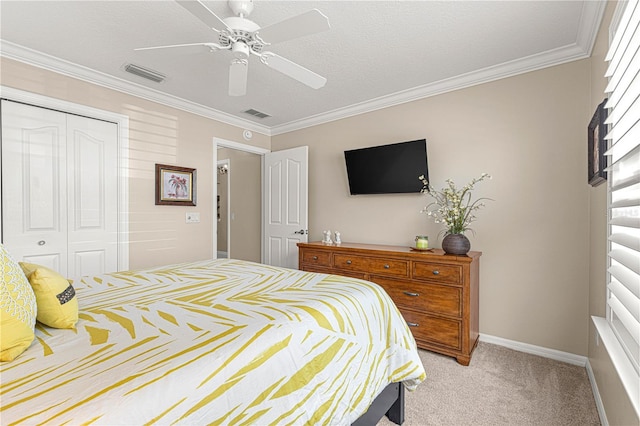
215 342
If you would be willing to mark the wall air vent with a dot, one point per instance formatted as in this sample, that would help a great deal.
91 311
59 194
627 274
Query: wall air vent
144 73
256 113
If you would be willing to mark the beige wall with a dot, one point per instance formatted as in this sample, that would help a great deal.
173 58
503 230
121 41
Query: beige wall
528 132
617 405
245 200
158 134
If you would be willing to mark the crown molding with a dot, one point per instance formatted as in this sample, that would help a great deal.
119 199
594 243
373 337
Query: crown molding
590 20
41 60
485 75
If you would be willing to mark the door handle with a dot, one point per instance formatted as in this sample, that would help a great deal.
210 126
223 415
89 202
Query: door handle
301 232
42 242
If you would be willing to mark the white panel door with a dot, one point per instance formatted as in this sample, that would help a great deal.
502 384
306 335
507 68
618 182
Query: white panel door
59 189
285 184
34 188
92 196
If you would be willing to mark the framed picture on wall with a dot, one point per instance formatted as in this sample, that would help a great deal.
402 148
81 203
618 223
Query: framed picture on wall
175 186
597 161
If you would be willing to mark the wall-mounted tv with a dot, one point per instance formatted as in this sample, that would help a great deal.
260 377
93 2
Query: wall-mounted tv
387 169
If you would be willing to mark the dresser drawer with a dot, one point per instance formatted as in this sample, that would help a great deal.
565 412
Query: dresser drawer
422 296
372 265
438 272
434 330
316 257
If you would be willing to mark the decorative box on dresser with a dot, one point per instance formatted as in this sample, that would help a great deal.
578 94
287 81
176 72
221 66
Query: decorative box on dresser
436 293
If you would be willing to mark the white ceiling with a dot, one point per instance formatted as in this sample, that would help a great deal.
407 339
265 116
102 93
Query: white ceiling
377 53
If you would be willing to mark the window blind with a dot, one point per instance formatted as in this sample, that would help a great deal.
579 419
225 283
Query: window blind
623 277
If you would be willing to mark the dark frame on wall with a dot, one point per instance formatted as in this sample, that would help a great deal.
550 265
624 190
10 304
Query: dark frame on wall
175 186
597 145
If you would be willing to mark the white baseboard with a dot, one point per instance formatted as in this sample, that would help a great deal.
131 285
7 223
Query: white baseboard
536 350
567 357
222 254
596 395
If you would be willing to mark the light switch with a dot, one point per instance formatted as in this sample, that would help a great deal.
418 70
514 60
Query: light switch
193 217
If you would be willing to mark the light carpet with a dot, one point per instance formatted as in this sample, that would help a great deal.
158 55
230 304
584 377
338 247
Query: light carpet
500 386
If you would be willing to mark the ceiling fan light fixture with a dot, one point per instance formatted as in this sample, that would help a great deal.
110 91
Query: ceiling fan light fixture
244 38
238 77
240 50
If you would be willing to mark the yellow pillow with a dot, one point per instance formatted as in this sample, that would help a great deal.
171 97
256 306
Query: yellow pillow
55 296
17 309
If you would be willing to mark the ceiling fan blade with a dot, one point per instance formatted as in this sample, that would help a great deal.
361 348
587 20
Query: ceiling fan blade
293 70
310 22
203 13
171 46
238 77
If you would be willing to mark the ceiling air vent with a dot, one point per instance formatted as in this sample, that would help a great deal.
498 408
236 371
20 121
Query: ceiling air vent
144 73
256 113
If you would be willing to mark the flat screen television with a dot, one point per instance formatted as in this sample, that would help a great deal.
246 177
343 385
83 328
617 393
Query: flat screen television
387 169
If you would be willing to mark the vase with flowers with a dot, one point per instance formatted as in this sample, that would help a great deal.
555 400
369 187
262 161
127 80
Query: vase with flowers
456 210
179 185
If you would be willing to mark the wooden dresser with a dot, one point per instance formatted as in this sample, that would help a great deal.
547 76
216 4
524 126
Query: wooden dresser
436 293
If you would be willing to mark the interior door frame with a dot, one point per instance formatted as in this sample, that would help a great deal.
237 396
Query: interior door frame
122 122
225 143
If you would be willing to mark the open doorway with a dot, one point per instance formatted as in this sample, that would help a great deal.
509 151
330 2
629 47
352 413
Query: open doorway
239 228
223 208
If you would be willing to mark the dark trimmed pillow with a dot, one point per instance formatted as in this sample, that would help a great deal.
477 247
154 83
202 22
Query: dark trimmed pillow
55 296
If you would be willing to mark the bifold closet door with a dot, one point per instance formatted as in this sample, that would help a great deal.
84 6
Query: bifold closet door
59 189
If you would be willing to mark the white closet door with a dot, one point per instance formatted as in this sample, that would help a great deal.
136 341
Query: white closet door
92 178
34 188
62 211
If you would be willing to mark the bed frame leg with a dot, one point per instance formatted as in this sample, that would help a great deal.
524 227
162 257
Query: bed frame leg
389 403
396 412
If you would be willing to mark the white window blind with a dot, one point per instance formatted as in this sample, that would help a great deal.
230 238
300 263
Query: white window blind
623 278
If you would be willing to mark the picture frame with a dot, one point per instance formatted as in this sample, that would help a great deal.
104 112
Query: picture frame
175 186
597 145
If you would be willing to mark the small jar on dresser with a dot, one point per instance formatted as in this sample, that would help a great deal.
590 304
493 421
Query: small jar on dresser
436 293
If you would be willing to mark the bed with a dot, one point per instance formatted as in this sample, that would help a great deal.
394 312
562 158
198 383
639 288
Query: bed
216 342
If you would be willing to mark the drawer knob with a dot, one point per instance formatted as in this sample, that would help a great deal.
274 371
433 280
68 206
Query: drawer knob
386 266
348 262
436 272
315 257
413 324
412 294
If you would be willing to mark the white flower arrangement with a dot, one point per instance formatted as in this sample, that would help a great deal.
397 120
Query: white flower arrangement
452 207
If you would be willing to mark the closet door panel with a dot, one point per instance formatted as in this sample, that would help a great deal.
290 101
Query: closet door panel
93 196
34 184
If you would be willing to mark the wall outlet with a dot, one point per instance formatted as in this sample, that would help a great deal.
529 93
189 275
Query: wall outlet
192 217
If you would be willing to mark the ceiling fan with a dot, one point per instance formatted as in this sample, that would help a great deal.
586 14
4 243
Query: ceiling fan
244 37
